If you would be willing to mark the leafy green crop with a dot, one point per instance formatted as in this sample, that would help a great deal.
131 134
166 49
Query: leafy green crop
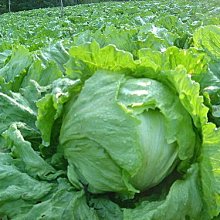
111 112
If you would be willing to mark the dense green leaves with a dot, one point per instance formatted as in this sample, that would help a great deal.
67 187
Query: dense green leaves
111 112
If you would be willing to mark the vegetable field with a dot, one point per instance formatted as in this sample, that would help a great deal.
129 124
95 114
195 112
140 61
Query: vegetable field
111 112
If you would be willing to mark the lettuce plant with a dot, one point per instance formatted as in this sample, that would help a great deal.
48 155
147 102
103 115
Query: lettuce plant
119 121
125 134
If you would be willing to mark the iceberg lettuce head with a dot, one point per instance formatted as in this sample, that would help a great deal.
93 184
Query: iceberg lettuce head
125 134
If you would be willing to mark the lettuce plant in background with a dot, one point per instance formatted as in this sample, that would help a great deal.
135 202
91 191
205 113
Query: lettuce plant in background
114 123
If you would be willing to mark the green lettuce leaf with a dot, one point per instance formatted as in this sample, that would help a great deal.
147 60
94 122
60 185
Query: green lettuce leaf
208 39
183 201
15 69
33 163
22 194
63 203
14 110
51 105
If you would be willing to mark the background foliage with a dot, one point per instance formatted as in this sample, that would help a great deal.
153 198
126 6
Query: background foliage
19 5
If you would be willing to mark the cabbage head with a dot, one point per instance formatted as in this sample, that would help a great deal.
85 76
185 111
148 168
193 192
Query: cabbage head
125 134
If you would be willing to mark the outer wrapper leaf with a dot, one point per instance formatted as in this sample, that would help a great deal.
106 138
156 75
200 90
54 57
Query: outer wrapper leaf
210 168
34 165
14 110
183 201
15 70
208 38
51 105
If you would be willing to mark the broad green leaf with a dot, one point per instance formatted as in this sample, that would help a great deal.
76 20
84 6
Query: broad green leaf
106 209
16 68
208 39
108 57
210 161
22 194
56 53
34 164
13 110
189 95
43 74
3 57
63 203
183 201
51 105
